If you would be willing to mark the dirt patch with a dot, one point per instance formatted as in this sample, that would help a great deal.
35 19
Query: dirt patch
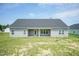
73 45
44 52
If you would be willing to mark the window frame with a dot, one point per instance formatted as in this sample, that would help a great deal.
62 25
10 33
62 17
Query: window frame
73 32
24 32
44 31
12 32
61 31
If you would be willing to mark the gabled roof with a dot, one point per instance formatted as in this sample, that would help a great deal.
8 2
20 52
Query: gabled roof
38 23
74 26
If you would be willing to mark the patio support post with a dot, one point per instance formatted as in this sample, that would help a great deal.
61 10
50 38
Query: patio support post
39 32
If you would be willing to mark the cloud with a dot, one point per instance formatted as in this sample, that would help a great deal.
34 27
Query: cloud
31 14
67 14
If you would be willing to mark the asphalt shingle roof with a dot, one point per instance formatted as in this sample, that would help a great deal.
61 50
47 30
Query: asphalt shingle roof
74 26
38 23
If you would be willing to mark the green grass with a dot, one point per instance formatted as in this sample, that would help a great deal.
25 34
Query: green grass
32 46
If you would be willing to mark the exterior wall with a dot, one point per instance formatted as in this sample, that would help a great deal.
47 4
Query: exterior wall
19 33
74 31
55 33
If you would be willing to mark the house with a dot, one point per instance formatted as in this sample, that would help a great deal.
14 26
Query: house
38 27
7 30
74 29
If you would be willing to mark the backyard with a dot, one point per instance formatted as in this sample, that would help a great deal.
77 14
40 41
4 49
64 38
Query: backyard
39 46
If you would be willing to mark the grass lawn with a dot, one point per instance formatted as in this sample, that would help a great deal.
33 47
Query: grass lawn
39 46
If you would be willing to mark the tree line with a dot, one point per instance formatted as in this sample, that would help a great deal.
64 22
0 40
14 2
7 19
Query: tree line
3 27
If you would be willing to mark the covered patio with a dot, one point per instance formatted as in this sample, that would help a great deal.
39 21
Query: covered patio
38 32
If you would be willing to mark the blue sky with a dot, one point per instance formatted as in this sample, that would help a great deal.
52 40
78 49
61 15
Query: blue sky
69 13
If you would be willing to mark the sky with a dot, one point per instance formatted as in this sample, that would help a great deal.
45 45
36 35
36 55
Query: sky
67 12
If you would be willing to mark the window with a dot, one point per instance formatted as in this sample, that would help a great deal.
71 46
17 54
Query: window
35 32
73 32
61 31
41 31
12 32
44 31
24 32
47 31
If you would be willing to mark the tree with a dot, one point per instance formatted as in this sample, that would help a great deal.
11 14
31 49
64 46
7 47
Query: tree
7 25
0 27
3 27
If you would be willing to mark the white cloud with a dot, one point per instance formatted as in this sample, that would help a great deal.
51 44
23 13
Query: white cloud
67 14
31 14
